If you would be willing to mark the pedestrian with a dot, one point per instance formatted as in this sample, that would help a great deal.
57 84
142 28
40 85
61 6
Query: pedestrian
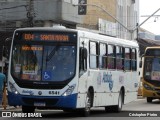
2 85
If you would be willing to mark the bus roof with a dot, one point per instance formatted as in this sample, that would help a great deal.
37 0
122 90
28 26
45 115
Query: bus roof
153 47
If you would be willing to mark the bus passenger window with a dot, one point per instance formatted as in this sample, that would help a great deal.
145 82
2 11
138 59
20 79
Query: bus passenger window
119 58
103 56
127 61
93 55
134 60
111 57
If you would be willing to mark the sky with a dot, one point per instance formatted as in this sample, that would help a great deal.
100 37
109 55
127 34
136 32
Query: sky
148 7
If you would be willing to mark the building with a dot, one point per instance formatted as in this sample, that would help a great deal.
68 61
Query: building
105 16
147 39
18 13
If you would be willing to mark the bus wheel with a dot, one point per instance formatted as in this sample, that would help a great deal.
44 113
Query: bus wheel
28 109
149 99
118 107
109 108
86 110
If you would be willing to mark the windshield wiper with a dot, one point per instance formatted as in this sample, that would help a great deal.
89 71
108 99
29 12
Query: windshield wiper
52 53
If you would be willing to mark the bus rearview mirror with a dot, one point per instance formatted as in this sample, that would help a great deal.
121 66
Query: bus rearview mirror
140 64
84 53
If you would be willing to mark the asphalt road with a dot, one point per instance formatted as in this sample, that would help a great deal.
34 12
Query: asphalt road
136 110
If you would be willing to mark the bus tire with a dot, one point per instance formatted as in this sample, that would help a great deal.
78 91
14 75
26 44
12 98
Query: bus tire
109 109
86 110
28 109
149 99
68 110
118 107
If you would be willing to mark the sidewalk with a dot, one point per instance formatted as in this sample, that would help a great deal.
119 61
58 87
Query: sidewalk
140 97
9 108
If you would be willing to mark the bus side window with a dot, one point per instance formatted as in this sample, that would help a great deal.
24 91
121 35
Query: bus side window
82 61
111 57
134 60
93 55
103 56
119 58
127 61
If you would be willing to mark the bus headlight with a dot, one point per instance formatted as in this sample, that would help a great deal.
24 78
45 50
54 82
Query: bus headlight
13 89
147 87
69 90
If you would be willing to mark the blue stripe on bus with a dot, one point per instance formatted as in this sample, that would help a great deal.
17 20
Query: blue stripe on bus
62 101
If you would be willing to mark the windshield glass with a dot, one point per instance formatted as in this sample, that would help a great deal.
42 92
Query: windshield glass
152 68
43 62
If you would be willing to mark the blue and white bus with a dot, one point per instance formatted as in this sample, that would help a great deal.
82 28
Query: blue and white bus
69 69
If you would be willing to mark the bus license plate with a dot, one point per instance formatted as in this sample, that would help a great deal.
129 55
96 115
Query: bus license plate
39 104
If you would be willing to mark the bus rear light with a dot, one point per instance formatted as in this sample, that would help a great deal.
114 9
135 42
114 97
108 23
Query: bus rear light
69 90
13 89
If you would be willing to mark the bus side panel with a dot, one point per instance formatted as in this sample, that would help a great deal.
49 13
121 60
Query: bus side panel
82 90
80 100
131 86
103 94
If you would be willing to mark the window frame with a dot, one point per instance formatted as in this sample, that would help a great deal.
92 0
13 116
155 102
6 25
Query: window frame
97 54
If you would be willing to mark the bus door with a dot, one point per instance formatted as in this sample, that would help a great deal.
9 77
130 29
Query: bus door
83 72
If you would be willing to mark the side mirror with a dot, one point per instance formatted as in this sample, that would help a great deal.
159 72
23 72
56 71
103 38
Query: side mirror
84 53
142 56
140 64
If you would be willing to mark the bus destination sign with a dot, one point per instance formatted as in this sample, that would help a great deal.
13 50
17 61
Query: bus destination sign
46 37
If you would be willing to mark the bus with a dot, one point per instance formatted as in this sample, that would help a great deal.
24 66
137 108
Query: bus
151 73
70 69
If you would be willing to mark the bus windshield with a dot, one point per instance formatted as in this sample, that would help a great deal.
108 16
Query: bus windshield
43 56
43 63
152 68
43 59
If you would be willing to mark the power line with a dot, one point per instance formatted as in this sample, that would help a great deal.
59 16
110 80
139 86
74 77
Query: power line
149 15
14 7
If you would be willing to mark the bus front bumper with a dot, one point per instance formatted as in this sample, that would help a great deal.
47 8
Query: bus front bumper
150 93
43 101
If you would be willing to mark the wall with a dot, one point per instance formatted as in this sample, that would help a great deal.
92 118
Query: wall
60 11
94 13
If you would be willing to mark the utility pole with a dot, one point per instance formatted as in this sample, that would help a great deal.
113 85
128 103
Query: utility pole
30 13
